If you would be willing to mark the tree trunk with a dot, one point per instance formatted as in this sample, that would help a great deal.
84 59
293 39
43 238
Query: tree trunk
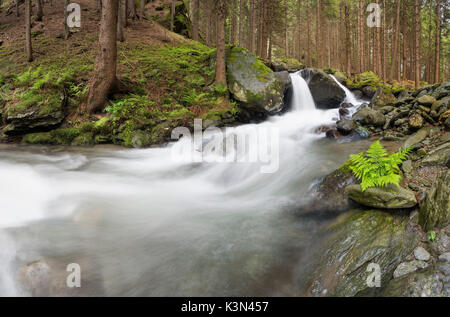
347 41
28 31
195 20
395 73
17 8
417 43
221 77
309 34
437 69
66 26
104 77
252 26
172 14
404 57
132 9
99 6
120 20
286 39
318 40
362 56
143 9
39 10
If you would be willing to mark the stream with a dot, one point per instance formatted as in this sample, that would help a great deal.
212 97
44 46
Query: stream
141 224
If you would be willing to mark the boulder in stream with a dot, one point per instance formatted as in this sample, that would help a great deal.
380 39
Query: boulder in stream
326 92
253 84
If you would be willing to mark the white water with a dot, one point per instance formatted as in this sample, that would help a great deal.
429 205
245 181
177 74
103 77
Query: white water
141 224
349 97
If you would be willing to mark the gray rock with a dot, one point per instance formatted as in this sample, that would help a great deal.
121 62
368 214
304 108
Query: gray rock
346 126
254 85
409 267
141 139
421 254
326 92
435 210
368 116
355 240
433 281
416 138
445 257
392 197
438 156
407 166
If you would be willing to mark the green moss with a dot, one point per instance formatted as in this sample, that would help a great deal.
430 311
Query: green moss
84 139
55 137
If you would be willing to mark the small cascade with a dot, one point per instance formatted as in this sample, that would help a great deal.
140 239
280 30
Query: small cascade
349 96
302 99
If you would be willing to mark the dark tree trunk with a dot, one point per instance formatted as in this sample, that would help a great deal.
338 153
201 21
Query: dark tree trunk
220 59
28 31
104 77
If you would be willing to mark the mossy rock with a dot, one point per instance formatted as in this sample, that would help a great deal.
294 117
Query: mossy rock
253 84
39 111
55 137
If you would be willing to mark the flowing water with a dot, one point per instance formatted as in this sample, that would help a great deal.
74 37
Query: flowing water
140 223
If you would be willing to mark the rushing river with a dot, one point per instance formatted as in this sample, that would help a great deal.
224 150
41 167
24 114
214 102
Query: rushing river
139 223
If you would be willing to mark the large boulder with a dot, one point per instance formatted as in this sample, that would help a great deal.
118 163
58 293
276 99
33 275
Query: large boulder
356 240
253 84
392 197
382 99
426 100
326 92
435 210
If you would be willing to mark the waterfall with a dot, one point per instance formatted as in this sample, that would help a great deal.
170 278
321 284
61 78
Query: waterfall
349 96
302 99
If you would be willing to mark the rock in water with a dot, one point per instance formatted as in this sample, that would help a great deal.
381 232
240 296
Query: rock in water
368 116
346 126
392 197
435 210
357 239
255 85
326 92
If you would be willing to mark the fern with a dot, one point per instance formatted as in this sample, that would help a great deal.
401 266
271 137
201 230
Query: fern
376 168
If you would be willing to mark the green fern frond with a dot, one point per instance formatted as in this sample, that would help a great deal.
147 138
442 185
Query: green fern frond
376 168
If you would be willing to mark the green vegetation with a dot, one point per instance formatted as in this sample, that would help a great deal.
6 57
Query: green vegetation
376 168
431 236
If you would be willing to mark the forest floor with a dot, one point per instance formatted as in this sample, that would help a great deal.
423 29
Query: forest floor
166 78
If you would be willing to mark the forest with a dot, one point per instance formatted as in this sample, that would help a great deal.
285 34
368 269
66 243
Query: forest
224 148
